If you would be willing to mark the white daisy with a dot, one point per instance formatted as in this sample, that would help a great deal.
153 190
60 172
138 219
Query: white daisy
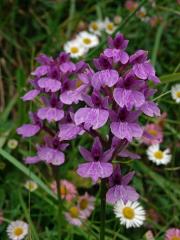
158 156
130 214
30 185
75 48
17 230
88 40
96 27
109 26
175 92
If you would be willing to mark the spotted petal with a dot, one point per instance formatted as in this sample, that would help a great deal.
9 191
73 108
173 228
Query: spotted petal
51 155
95 170
28 130
50 114
128 98
126 130
93 117
105 78
49 84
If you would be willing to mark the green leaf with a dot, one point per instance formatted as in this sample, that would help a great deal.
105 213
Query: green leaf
170 78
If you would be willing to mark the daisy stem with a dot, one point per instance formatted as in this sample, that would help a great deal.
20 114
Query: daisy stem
103 209
59 213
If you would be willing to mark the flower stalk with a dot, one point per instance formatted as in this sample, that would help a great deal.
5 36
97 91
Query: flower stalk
103 209
59 202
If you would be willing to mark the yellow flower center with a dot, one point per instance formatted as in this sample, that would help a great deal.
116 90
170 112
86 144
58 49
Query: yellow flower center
110 26
63 190
128 213
83 204
18 231
74 212
152 132
159 154
94 26
178 94
175 238
87 41
74 50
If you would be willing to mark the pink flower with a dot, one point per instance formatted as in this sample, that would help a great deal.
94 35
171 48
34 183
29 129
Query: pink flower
131 5
153 134
173 234
86 204
74 216
67 189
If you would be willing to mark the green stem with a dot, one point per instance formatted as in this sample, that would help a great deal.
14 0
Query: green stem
60 203
103 209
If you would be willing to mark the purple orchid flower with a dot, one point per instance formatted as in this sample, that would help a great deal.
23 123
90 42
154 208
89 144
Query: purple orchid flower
116 49
104 78
68 130
97 165
119 189
129 92
52 111
50 153
119 42
124 125
142 67
95 115
103 62
74 95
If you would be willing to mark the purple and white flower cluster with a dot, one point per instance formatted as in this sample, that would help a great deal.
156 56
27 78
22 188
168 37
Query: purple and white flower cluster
115 93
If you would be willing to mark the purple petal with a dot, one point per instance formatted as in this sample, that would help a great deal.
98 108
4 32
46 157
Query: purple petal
105 77
127 178
28 130
123 57
154 79
40 71
123 193
127 154
95 170
94 117
30 95
86 154
128 98
97 148
32 160
68 97
139 56
67 67
50 114
51 155
140 71
49 84
68 131
107 155
126 130
151 109
117 55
